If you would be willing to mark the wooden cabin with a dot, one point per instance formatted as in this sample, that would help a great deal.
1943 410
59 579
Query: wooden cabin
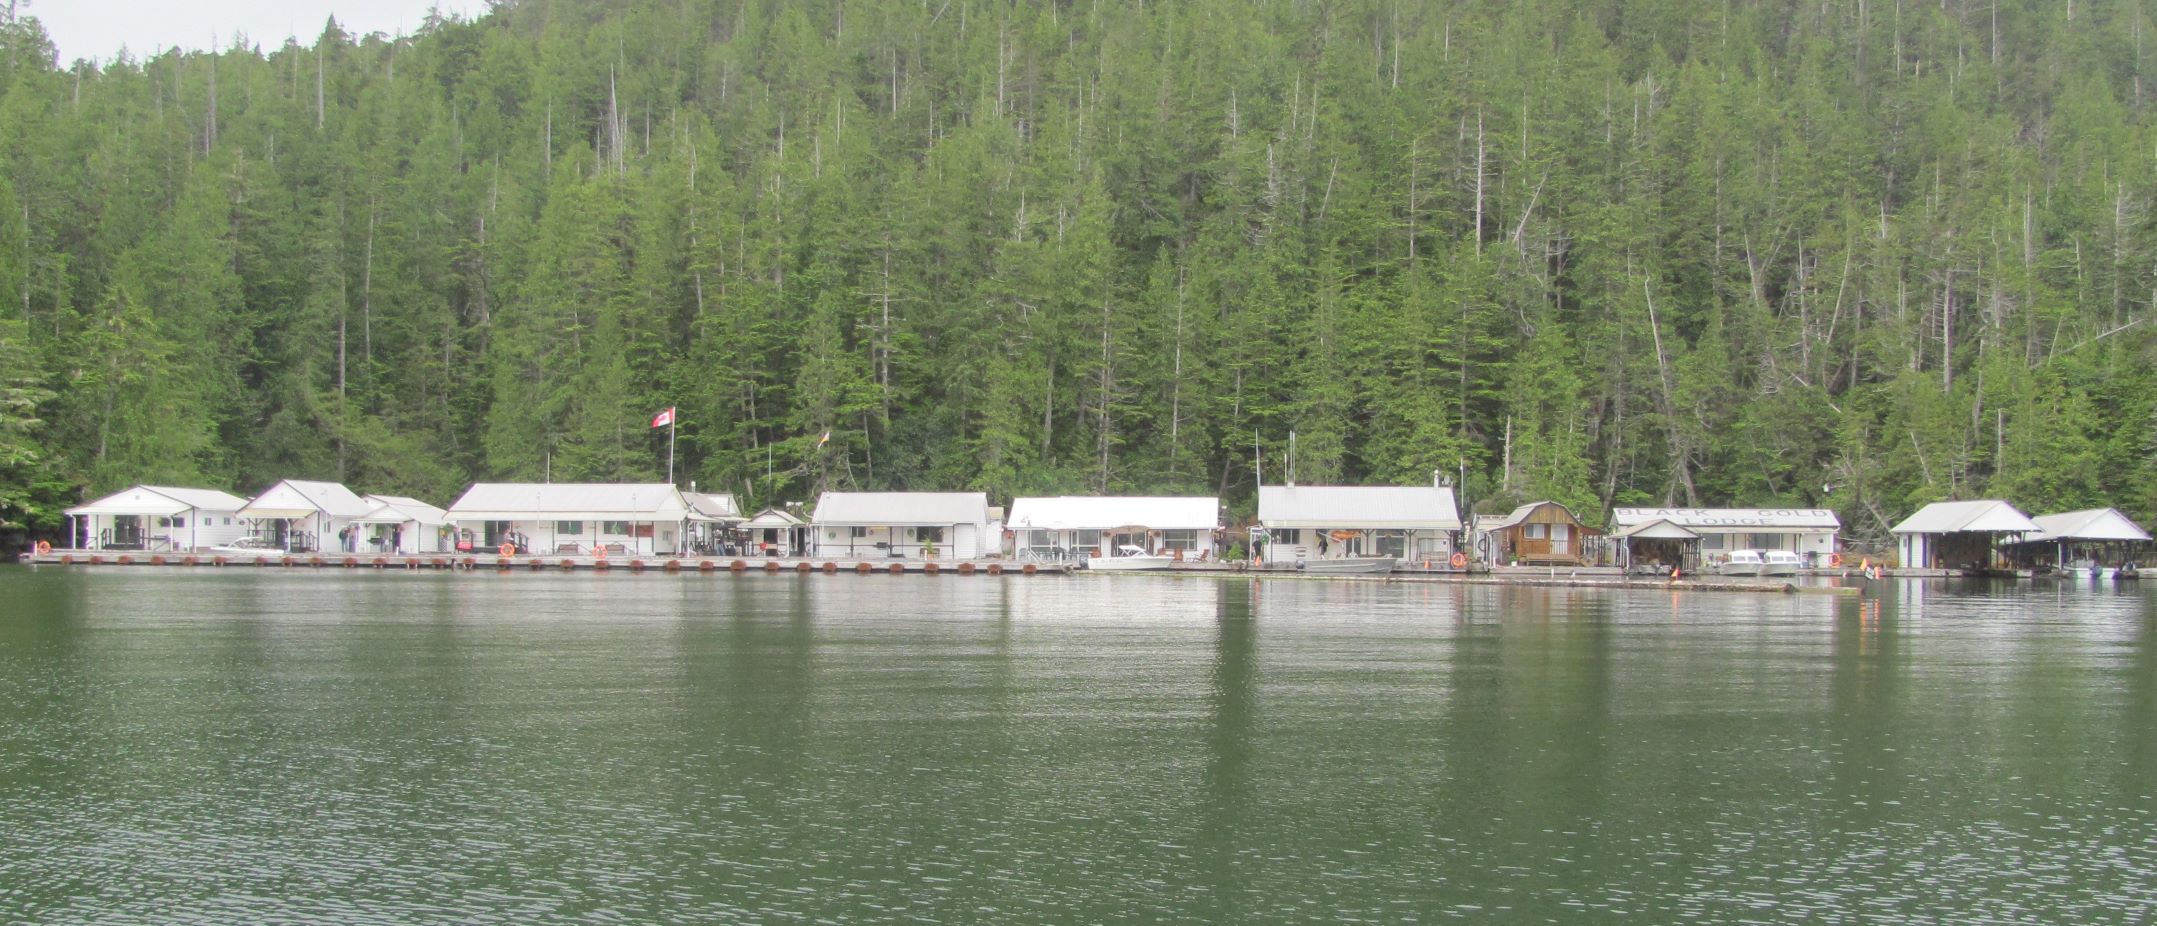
1536 534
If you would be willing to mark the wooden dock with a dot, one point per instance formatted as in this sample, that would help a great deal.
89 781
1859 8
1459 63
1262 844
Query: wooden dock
708 565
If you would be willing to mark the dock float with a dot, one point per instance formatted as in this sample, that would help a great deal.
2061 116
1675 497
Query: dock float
493 562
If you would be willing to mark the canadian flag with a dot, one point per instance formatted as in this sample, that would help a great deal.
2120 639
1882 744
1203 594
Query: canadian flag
663 418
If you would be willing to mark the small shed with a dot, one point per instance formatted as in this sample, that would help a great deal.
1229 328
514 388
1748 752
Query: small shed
1081 525
304 516
902 524
157 518
2099 536
397 524
574 518
777 532
1538 534
1958 535
1403 523
1658 545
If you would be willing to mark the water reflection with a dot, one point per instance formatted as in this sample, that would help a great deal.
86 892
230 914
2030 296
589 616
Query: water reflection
387 748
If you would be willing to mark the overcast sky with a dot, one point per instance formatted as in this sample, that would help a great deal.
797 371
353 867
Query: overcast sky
98 28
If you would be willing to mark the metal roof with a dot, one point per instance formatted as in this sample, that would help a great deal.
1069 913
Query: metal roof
1731 520
1657 529
570 501
1372 507
397 509
1083 512
879 508
712 506
160 500
773 518
1981 517
2094 524
1487 523
298 498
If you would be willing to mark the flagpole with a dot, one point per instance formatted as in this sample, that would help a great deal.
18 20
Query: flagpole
671 415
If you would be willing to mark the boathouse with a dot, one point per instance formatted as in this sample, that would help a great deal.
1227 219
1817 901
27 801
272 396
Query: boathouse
1958 535
777 532
1808 532
1658 545
303 516
2100 536
157 518
1535 534
1412 524
1071 526
955 525
575 518
396 524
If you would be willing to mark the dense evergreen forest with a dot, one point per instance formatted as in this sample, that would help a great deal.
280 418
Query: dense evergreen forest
1861 254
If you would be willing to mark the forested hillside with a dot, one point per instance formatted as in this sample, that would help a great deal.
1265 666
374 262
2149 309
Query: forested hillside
1860 254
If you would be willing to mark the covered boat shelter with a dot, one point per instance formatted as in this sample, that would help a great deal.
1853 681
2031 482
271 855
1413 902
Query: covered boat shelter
1082 525
2098 537
157 518
1958 535
1808 532
1659 546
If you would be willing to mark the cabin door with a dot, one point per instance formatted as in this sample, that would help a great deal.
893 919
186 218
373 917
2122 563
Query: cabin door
965 541
1561 539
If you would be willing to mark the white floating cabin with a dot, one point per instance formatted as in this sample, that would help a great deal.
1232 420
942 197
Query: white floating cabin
1808 532
1412 524
1958 535
157 518
957 525
303 516
777 532
397 524
573 518
1076 526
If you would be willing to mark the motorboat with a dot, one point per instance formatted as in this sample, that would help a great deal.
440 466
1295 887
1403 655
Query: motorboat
1741 563
1779 563
1130 559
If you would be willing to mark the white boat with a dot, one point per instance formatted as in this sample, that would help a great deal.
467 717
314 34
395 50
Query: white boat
1779 563
248 546
1741 563
1131 559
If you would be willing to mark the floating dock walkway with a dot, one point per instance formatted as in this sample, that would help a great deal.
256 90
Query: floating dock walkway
532 563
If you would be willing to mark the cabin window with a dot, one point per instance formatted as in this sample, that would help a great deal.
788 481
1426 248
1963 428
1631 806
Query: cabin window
1427 546
1185 540
929 534
1559 532
1089 539
1534 531
569 527
179 521
858 532
1392 543
616 528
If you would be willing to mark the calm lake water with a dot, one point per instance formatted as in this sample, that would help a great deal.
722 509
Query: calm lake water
227 747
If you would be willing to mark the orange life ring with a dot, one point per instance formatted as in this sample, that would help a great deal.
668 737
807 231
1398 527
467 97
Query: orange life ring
1835 560
1460 560
507 549
599 551
44 547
